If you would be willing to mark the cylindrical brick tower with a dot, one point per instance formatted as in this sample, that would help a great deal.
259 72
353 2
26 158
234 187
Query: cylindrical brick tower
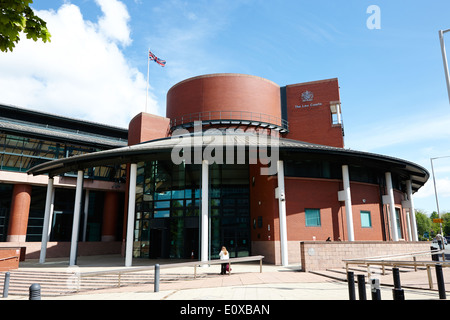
220 99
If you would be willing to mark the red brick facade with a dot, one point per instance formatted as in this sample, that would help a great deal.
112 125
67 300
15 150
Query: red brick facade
146 127
312 112
223 96
20 209
309 114
308 109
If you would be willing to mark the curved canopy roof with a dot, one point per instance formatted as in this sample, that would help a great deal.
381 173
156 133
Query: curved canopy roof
288 149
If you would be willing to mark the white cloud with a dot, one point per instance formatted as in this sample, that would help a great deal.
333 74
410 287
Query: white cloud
442 186
114 23
82 72
425 198
401 131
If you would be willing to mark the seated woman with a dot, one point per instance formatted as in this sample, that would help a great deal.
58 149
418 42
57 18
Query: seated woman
224 256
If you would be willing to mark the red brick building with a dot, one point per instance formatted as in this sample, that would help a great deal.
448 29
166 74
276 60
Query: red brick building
242 162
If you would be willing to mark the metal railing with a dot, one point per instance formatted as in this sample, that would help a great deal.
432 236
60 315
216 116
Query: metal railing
242 116
195 264
9 258
385 261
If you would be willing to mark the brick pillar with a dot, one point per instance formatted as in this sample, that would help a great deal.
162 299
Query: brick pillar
20 209
110 214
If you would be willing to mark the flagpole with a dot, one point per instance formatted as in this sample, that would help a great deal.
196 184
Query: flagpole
148 73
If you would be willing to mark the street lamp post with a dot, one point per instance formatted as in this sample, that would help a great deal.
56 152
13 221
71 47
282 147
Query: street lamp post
435 189
444 57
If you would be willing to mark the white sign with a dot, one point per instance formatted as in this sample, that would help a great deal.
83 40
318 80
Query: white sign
308 105
307 96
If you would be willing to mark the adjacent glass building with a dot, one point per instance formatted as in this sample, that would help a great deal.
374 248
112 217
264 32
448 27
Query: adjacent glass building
29 138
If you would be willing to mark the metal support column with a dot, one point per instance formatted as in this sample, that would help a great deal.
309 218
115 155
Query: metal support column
204 241
444 58
131 214
348 203
390 194
76 218
47 217
412 214
282 213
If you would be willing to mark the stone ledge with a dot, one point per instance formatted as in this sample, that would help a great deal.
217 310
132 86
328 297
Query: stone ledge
322 255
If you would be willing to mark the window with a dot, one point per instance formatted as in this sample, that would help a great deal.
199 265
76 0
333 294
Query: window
366 221
312 217
312 169
399 223
168 202
18 153
336 116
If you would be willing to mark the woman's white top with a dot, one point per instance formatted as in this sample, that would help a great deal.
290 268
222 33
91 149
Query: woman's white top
223 256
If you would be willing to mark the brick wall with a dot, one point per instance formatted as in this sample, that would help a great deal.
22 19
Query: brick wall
145 127
217 93
311 121
62 249
322 255
6 260
271 250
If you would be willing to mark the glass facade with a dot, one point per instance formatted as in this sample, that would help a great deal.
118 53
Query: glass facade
6 191
62 219
322 169
20 153
168 204
399 223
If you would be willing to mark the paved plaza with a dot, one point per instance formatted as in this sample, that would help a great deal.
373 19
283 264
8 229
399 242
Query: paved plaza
245 283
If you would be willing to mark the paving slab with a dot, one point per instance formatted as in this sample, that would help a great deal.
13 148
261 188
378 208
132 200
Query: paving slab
244 283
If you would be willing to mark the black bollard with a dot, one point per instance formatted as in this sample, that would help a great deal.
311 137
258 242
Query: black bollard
396 275
362 287
351 285
375 289
397 292
35 292
440 281
157 277
6 285
434 257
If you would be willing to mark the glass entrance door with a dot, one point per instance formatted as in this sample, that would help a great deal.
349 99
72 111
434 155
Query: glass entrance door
191 244
236 241
168 198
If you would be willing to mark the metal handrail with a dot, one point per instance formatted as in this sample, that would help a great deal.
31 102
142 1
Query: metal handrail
194 264
228 115
8 258
396 263
412 254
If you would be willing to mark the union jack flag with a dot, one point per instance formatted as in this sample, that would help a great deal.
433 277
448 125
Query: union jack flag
152 57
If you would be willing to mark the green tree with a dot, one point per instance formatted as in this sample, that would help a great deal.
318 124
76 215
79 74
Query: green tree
446 224
435 227
423 223
17 17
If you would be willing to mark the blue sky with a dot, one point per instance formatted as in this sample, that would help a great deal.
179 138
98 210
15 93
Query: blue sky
393 92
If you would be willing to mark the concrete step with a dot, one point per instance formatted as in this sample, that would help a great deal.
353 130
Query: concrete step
58 283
